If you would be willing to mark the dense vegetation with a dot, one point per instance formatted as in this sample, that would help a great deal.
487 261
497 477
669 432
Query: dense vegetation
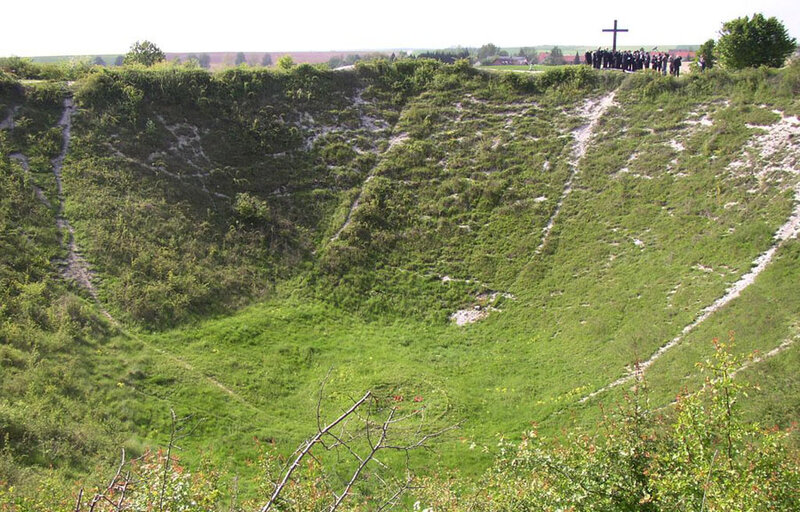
250 230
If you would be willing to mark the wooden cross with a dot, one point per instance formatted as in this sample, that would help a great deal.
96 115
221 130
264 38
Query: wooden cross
615 30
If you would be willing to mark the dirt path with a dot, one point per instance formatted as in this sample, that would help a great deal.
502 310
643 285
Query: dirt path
592 111
353 208
768 355
74 267
178 361
776 140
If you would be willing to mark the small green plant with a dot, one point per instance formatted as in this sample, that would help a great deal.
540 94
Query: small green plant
286 63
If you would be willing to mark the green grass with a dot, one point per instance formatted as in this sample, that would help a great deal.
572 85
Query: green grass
232 280
536 67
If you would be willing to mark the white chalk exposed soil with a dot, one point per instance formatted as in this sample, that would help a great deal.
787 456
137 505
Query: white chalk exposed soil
469 316
8 122
591 111
74 267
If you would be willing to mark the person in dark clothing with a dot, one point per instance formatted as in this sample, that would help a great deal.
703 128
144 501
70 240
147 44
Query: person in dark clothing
677 63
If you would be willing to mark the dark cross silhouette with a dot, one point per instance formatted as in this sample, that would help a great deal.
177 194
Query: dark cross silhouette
615 30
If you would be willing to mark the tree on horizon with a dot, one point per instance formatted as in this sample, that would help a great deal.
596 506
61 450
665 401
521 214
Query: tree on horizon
144 53
556 57
752 42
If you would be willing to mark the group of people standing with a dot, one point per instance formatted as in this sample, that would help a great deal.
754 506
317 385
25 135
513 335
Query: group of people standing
634 61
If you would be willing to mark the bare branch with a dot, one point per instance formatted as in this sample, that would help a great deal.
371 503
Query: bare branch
78 503
375 448
319 397
392 501
421 442
310 444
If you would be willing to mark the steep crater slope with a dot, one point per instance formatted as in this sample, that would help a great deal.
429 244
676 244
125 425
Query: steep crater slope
587 225
195 192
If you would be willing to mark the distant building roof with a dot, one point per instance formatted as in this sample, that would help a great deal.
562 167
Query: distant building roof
684 54
509 61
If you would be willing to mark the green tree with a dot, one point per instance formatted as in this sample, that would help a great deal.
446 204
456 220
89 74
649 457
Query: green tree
706 51
266 60
335 62
556 57
352 59
192 60
98 61
757 41
119 60
487 50
240 58
205 60
286 62
145 53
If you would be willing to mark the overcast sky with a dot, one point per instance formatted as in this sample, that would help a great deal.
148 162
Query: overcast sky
90 27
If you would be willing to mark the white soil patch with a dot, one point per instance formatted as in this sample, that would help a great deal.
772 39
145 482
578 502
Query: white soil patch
478 311
703 121
772 153
469 316
677 146
369 122
671 294
397 140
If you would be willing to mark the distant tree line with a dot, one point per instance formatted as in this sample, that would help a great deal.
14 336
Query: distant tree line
446 56
203 60
350 59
